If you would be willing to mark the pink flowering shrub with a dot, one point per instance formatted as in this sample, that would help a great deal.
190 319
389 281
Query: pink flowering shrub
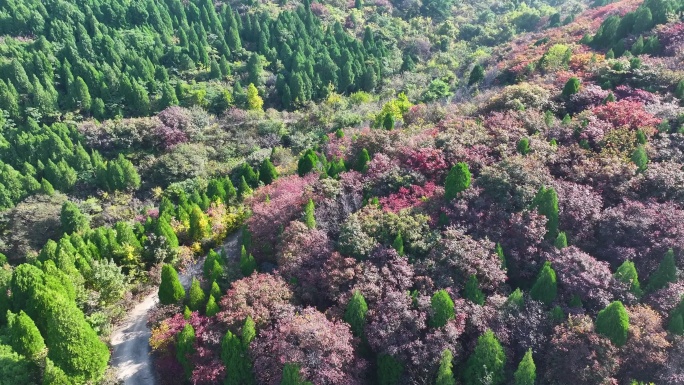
322 348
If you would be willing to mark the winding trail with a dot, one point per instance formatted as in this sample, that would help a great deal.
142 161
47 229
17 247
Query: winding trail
130 341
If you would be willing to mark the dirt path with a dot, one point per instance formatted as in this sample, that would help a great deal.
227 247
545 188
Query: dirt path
130 341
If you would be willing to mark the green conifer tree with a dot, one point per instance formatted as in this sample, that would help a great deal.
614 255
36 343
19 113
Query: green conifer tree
613 322
292 376
355 314
234 357
527 370
389 370
46 188
571 87
640 158
362 160
627 273
388 122
523 146
72 220
185 347
445 374
199 225
24 335
170 289
442 309
472 291
545 288
457 181
476 75
309 218
487 363
398 244
212 308
546 203
561 241
196 297
267 172
666 272
247 263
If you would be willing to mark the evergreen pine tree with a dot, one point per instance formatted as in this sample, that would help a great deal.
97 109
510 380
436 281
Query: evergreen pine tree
244 190
170 289
291 375
457 181
527 371
184 348
679 91
388 122
234 357
199 225
487 362
398 244
476 75
442 309
501 255
640 158
309 218
523 146
215 290
666 272
572 87
255 69
676 324
254 101
516 299
389 370
362 160
627 273
472 291
545 288
248 332
80 95
561 241
546 203
196 298
46 188
613 322
24 335
267 172
214 70
212 308
355 314
445 374
247 263
168 97
307 162
72 220
53 375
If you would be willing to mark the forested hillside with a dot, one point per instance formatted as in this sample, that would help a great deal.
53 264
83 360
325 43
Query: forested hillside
427 191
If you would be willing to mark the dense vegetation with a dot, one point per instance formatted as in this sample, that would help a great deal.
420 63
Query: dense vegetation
426 191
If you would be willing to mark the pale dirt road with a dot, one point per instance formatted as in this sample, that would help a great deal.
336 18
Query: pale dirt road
130 341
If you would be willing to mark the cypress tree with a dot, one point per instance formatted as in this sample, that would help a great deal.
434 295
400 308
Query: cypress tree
355 314
388 122
613 322
187 313
196 298
571 87
199 225
291 375
501 255
472 291
627 273
234 357
546 203
247 263
212 308
53 375
184 347
445 374
215 70
398 244
389 370
516 299
442 309
676 324
679 91
545 287
215 290
476 75
527 370
267 172
561 241
307 162
309 218
248 332
523 146
666 272
487 362
168 97
72 220
457 181
46 188
80 95
640 158
24 335
254 101
170 289
254 69
362 160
